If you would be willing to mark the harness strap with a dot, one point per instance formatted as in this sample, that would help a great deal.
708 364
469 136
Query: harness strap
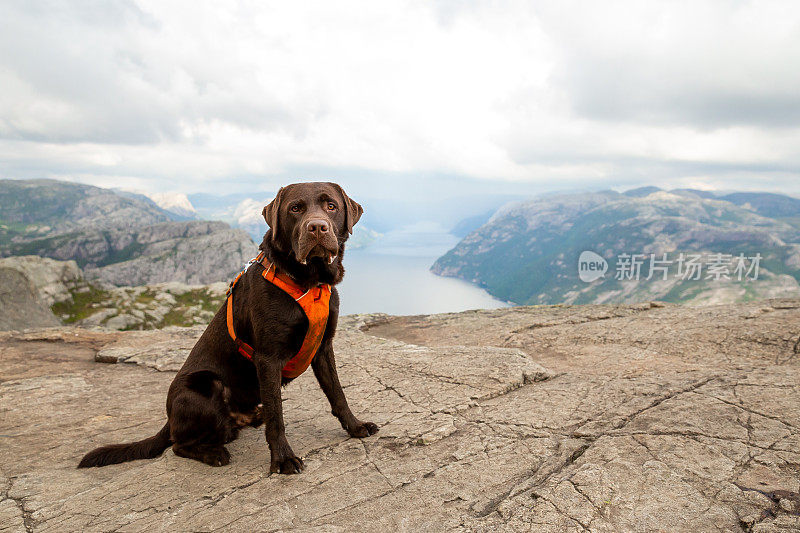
244 348
314 303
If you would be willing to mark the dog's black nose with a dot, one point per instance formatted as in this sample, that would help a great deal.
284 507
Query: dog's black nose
317 226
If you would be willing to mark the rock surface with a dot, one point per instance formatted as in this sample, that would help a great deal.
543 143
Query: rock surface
20 306
30 285
599 418
52 281
41 285
193 252
148 307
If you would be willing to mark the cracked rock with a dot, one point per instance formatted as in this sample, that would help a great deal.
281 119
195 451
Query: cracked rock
593 418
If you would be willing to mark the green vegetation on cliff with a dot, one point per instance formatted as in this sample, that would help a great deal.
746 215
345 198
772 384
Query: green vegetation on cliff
528 252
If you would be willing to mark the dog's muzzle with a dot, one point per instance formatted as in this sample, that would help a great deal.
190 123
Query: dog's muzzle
316 238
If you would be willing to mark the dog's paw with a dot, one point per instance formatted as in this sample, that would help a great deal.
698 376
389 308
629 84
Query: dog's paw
289 464
362 429
217 457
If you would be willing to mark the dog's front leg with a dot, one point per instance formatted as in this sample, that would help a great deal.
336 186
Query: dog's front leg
324 365
282 458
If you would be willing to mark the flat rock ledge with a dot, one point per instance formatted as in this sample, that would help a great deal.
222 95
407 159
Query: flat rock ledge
645 417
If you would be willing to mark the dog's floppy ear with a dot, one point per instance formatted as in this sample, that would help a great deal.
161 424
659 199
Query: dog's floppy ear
353 209
270 214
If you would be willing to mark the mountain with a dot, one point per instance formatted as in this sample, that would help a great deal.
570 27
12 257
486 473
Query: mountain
116 239
175 205
31 208
247 216
239 210
693 192
230 207
766 204
174 202
641 192
467 225
528 252
244 212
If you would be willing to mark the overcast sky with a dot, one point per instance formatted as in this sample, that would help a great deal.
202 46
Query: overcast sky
489 96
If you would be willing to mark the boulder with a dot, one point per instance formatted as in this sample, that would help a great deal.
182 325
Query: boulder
21 307
51 280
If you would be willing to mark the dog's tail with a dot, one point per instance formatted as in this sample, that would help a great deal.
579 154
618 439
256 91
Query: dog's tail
149 448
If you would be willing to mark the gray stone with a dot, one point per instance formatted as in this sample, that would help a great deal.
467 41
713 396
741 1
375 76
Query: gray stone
788 505
98 317
122 321
165 297
51 280
174 287
155 315
20 306
596 418
163 350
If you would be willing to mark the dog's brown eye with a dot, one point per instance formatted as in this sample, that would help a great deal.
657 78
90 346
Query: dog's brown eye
295 208
331 206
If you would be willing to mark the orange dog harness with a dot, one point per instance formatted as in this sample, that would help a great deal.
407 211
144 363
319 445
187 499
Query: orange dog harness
314 303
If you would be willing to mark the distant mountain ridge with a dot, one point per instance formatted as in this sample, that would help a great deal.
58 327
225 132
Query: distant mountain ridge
57 207
117 238
527 253
243 210
176 206
175 203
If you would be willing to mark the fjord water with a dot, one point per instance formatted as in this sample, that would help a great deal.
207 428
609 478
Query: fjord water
392 275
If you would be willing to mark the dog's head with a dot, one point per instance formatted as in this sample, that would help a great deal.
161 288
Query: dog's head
309 224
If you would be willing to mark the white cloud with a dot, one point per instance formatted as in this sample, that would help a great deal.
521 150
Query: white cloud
192 95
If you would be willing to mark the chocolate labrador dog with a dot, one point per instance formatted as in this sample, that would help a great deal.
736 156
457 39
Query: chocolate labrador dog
221 388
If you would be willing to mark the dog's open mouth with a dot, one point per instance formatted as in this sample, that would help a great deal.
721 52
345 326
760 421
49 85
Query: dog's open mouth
319 253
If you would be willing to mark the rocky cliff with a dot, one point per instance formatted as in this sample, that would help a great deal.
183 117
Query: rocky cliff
528 253
187 252
116 240
52 281
39 291
20 306
644 417
30 287
31 208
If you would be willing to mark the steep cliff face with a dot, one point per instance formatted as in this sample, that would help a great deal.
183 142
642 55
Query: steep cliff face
116 240
187 252
528 252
